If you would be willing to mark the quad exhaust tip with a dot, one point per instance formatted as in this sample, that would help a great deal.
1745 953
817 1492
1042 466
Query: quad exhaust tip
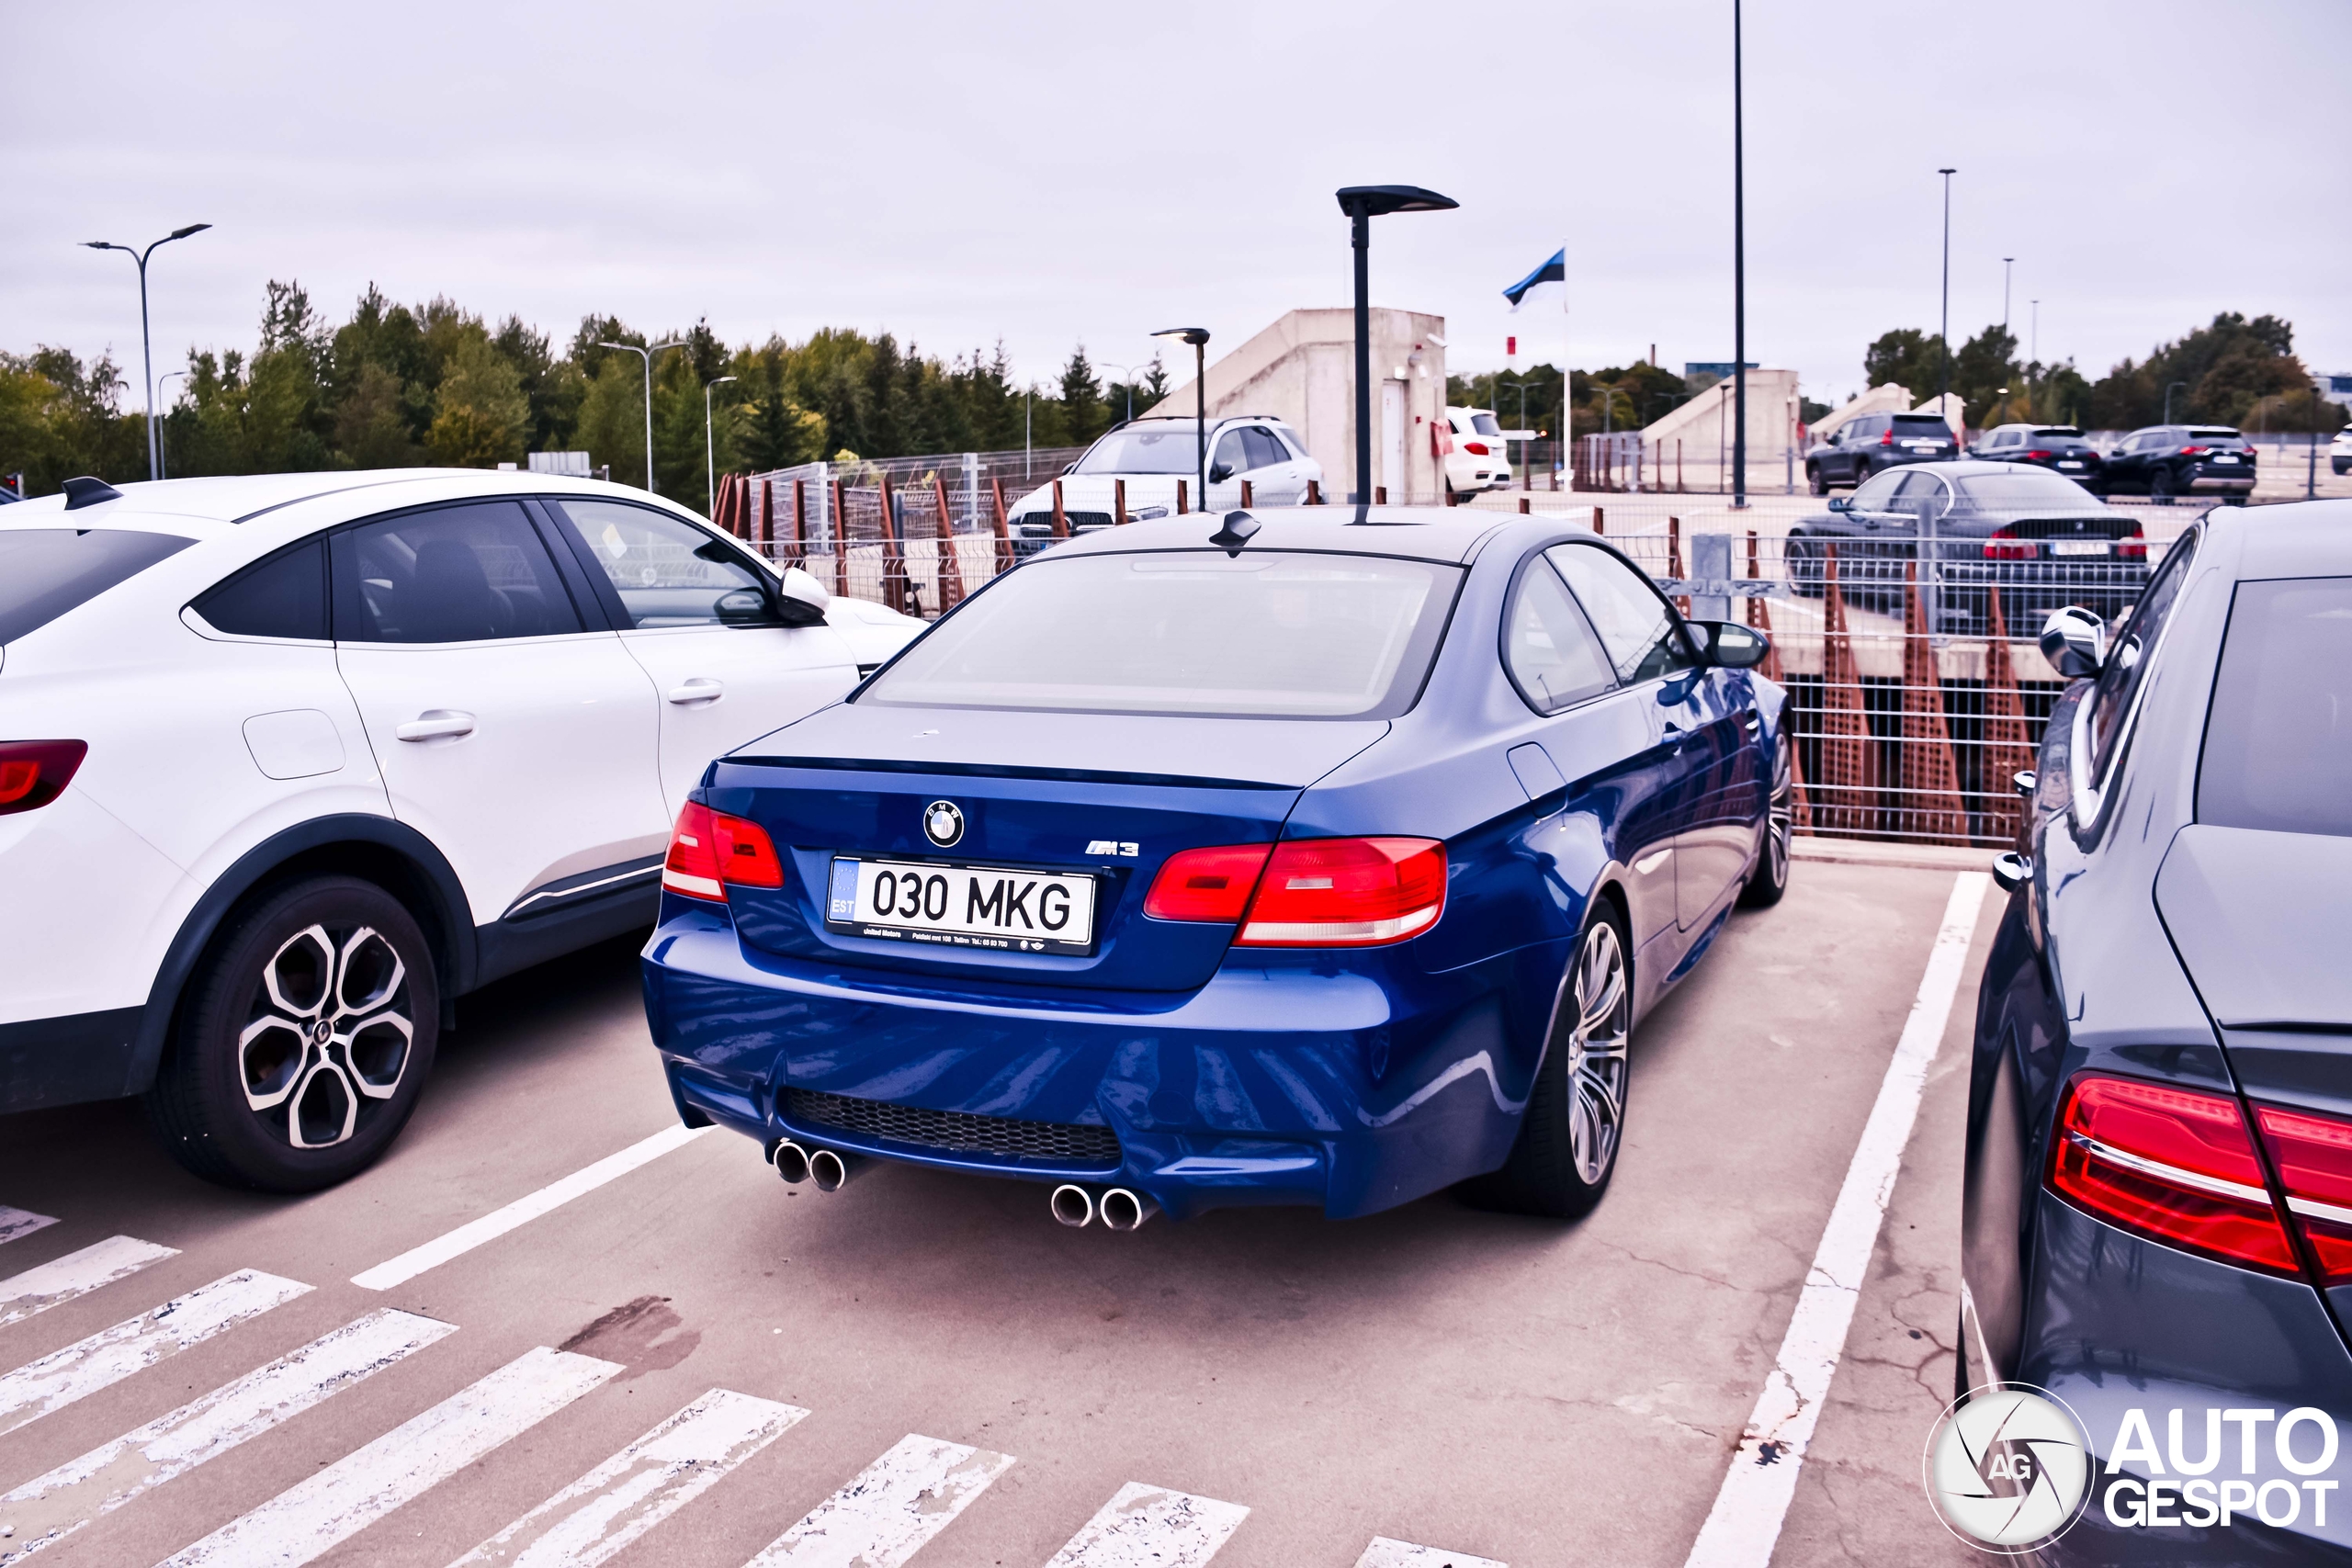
1126 1211
1073 1205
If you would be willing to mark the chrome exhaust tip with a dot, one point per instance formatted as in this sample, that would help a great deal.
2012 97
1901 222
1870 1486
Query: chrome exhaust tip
1073 1205
1126 1211
791 1162
830 1171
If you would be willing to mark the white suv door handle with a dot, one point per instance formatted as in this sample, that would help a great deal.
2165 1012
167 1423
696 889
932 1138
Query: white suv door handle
434 723
700 689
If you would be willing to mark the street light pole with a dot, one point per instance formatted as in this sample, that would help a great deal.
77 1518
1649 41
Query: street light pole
710 448
1943 333
647 354
2033 353
2005 261
1199 338
160 472
1738 278
146 343
1128 372
1362 204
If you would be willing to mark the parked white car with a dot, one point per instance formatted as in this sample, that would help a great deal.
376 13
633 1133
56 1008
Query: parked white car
1480 459
2339 452
289 763
1152 455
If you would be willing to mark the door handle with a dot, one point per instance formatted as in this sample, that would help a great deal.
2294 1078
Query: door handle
1675 736
435 723
700 689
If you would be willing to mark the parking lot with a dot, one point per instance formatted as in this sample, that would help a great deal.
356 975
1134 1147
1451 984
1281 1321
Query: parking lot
1486 1387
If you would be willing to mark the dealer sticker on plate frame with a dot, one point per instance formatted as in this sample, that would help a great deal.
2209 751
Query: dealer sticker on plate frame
1005 908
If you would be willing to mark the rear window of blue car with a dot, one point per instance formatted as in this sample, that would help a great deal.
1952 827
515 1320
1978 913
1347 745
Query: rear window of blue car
2279 743
1267 635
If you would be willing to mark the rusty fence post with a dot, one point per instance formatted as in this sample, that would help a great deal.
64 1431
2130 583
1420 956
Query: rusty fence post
1926 779
1380 495
800 523
1524 508
951 570
1184 497
1061 518
1245 500
840 544
1119 503
894 556
1600 523
2006 748
1004 530
1313 492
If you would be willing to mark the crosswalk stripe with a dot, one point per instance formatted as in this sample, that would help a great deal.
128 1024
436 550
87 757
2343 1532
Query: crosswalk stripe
1385 1553
75 1274
110 1355
51 1507
523 1211
884 1517
626 1495
314 1515
1150 1527
15 1223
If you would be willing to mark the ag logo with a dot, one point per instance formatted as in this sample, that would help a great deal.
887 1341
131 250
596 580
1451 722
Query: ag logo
2009 1470
943 824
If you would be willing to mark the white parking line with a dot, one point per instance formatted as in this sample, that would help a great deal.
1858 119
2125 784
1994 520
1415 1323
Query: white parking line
1745 1524
110 1355
47 1508
15 1223
75 1274
1150 1527
1385 1553
884 1517
490 1226
311 1517
663 1471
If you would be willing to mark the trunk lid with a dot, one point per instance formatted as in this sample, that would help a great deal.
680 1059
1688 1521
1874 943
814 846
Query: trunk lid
1033 793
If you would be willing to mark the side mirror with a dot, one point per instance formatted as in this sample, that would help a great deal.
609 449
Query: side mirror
1841 503
2075 641
801 599
1220 472
1730 644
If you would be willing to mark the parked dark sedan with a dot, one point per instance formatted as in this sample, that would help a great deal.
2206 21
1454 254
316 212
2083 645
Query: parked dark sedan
2041 538
2157 1216
2061 448
1874 443
2166 460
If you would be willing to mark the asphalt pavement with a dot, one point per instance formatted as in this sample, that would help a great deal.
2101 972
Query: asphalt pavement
670 1358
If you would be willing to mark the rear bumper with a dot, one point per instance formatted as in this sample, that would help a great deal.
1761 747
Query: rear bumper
1277 1085
2225 480
63 1060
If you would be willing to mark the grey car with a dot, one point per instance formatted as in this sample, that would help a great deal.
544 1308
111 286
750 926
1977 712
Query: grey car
2038 537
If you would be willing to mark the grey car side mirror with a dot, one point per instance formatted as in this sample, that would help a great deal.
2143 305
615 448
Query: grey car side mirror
1841 503
2075 641
1730 644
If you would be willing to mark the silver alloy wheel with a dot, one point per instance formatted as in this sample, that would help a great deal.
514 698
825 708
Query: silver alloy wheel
330 1031
1596 1045
1780 814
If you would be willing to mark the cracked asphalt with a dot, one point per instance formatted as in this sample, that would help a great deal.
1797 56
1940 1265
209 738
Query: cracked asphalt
1531 1393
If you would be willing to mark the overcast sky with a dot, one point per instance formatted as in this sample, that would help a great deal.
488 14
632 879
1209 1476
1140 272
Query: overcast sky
1055 173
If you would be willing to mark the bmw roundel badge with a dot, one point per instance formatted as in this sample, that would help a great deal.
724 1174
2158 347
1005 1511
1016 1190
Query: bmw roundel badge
943 824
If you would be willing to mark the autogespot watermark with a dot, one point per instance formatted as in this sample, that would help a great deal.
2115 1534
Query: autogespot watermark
2010 1469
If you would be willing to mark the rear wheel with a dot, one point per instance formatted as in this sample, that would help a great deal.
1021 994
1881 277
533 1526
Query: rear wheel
303 1042
2160 486
1814 480
1769 878
1576 1112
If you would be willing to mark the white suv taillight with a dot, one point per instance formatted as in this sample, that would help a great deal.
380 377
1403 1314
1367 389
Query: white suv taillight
34 772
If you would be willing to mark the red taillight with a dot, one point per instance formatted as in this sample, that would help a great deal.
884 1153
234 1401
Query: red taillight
1346 893
2194 451
1887 438
2313 1157
2039 456
2132 548
1478 447
2175 1164
1207 885
2004 545
34 772
710 849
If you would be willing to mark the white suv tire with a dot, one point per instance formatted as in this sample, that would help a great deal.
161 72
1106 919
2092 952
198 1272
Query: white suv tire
304 1041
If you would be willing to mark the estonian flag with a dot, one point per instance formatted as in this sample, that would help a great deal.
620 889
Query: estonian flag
1553 271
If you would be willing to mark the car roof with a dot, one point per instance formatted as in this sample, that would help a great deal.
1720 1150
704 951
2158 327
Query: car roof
1215 420
212 506
1420 533
2296 538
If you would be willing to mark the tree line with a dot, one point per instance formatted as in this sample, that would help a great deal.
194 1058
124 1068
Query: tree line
397 386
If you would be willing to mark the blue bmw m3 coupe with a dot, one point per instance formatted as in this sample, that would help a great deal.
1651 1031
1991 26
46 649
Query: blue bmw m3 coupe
1317 857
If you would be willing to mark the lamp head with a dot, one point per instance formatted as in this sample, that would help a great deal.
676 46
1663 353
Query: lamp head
191 228
1375 201
1196 336
717 380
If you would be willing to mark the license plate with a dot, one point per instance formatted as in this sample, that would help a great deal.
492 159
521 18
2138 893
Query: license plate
2079 547
2232 461
1922 445
1000 907
2068 463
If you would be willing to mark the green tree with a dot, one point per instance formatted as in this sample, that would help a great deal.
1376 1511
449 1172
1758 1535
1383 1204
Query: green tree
1907 357
481 417
2217 374
371 425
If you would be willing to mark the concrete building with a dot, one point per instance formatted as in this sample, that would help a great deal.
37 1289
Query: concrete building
1704 426
1302 370
1886 398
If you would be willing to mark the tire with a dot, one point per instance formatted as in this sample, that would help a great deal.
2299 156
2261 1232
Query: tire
1819 486
314 1099
2160 486
1770 877
1569 1138
1804 569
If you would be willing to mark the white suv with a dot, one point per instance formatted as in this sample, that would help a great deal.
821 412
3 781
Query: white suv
289 763
1480 459
1151 456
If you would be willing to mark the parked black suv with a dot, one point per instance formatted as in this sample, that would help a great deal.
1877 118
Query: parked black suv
2062 448
1872 443
2166 460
